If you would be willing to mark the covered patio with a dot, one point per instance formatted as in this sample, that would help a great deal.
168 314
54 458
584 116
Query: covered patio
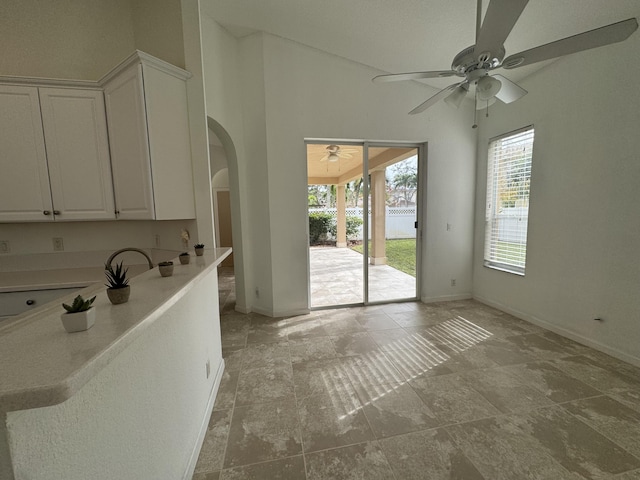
337 278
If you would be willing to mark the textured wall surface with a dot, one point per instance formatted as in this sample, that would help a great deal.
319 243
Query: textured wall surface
142 415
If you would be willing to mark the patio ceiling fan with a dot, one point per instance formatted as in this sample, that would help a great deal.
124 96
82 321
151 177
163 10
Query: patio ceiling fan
475 62
335 152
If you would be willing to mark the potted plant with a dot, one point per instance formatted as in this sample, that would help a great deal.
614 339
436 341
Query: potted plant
79 315
199 248
184 258
166 268
118 289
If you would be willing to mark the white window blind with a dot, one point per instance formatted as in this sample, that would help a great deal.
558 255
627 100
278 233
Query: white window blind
507 212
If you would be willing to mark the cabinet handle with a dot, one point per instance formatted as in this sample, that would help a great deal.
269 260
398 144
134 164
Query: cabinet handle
30 302
56 212
46 212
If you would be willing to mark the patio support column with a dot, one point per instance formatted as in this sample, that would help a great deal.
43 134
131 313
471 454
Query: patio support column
377 255
341 234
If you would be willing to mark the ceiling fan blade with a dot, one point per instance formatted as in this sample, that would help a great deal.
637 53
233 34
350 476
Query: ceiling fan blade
510 92
498 22
397 77
616 32
435 99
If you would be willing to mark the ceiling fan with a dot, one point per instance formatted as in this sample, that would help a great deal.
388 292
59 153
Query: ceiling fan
335 152
475 62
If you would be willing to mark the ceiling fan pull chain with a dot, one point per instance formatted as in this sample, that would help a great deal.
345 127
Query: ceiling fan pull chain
487 113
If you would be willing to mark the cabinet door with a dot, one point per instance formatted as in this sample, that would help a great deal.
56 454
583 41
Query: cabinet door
169 144
126 117
75 133
24 178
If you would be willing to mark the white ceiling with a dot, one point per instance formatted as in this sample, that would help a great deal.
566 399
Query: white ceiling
411 35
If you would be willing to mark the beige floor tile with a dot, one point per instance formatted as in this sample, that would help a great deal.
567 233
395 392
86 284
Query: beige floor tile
264 384
333 420
363 461
212 452
261 432
291 468
429 454
452 400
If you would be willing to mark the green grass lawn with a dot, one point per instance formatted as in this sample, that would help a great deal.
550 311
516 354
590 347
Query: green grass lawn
401 254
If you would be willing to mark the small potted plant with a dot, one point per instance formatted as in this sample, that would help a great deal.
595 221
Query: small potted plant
199 248
166 268
79 315
118 289
184 258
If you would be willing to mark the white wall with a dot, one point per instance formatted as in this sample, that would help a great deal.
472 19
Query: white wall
584 226
157 28
312 94
221 61
77 39
142 416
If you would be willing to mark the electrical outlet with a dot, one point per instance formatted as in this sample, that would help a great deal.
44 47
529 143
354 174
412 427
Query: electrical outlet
208 367
58 244
453 282
156 239
4 246
449 226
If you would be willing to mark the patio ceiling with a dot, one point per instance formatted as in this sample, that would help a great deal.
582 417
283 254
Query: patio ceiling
345 170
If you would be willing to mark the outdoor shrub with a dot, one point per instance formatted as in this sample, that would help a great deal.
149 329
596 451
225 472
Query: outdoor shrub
319 226
352 227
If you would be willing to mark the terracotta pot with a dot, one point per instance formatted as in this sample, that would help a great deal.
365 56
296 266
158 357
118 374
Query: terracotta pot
199 251
78 321
166 270
184 259
119 295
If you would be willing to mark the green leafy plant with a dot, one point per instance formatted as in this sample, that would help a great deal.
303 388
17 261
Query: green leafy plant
184 254
79 305
117 277
319 226
199 245
352 224
165 264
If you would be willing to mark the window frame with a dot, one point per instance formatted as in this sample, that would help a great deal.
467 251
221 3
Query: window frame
492 201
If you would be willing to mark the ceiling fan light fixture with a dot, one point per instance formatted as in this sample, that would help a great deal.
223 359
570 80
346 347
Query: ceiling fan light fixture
333 157
455 99
488 87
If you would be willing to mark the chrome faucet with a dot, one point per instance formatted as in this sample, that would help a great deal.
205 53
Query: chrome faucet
129 249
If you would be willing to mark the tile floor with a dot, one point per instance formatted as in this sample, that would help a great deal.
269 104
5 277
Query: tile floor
453 390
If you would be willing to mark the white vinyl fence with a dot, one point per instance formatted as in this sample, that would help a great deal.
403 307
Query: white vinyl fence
400 221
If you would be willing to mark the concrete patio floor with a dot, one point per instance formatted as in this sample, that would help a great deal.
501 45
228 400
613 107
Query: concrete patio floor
337 278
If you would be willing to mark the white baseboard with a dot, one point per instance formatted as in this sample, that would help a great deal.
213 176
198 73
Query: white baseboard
446 298
195 453
242 309
589 342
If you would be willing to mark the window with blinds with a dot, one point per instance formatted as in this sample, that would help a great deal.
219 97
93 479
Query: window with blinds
507 212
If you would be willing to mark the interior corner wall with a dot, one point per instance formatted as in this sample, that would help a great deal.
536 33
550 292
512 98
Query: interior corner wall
70 39
225 85
584 228
157 28
312 94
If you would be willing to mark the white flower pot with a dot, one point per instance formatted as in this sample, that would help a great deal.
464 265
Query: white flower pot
79 321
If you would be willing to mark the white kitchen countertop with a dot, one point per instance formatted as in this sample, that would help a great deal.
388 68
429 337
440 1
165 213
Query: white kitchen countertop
59 278
43 365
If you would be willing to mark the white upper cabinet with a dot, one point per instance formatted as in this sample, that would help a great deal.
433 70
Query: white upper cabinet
54 155
75 132
146 102
24 179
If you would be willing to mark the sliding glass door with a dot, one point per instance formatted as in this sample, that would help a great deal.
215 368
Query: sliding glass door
363 202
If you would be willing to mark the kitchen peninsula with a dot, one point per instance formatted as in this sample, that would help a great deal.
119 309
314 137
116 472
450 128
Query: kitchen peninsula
128 398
